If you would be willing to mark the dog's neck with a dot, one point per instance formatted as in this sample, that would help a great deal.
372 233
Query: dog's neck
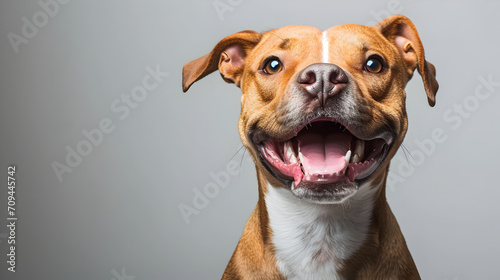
311 240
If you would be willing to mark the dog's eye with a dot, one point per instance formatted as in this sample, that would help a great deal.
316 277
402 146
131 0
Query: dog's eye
273 66
374 65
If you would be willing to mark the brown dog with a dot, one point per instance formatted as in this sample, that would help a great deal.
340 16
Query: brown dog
322 114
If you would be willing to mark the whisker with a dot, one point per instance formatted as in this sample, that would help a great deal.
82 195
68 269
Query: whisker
406 152
237 152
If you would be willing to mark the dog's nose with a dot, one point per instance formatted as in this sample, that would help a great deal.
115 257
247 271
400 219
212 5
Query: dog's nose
322 80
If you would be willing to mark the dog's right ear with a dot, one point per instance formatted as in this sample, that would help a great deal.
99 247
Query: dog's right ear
228 56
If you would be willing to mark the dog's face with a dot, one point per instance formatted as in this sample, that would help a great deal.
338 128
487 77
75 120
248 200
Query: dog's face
321 112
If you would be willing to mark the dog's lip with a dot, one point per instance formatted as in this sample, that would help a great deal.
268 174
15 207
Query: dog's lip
353 171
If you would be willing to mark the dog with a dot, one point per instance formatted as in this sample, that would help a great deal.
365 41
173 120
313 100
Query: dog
322 114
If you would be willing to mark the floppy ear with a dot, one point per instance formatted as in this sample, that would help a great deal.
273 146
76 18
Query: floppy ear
228 56
400 31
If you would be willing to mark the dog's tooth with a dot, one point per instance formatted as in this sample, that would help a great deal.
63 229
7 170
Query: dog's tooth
355 158
347 159
301 157
290 154
286 150
348 156
359 150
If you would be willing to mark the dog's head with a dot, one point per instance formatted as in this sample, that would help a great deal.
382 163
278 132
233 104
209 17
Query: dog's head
321 112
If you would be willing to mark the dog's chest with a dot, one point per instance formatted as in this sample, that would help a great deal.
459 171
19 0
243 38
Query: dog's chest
311 239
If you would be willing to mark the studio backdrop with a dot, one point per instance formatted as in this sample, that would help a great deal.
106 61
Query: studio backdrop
120 175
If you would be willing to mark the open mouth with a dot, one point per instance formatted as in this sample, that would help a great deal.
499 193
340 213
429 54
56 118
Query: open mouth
324 152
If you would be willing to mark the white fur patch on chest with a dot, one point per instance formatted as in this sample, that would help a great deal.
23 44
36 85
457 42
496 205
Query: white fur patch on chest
311 239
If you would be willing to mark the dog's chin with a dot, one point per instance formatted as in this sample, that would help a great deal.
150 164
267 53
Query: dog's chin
333 193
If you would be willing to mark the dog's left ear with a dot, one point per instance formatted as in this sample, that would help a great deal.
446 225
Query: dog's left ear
228 56
400 31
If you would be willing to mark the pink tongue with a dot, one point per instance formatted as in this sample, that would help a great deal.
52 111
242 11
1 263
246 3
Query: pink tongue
323 154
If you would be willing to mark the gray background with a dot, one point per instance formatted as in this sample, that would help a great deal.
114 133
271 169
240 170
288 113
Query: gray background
116 216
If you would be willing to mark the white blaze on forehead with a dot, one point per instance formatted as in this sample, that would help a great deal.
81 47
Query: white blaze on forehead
324 42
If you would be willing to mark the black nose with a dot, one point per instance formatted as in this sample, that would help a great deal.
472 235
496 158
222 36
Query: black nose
322 80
